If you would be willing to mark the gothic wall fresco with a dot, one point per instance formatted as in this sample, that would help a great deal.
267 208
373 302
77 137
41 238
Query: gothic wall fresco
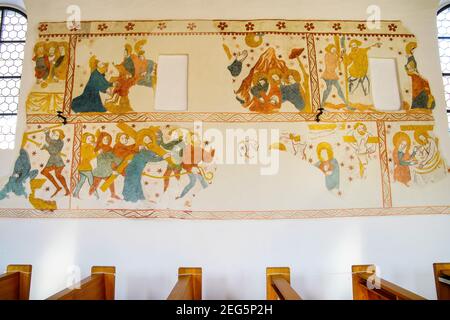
94 146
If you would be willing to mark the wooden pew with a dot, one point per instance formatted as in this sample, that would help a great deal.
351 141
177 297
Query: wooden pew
189 285
278 285
442 279
15 283
367 286
100 285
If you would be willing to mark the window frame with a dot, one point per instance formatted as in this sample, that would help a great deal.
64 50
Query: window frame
2 9
11 113
444 74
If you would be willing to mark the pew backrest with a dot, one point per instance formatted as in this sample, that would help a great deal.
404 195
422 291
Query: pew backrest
368 286
15 284
100 285
442 280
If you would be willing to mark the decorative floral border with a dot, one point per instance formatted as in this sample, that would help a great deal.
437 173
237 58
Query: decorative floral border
385 28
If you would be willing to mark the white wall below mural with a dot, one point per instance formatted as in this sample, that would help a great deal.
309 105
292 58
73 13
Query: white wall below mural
234 254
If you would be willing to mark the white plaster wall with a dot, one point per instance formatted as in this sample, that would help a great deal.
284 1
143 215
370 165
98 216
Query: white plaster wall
234 254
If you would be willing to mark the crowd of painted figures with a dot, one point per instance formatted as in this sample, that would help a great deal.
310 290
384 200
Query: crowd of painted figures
356 64
51 62
270 82
412 163
419 162
127 158
103 161
135 70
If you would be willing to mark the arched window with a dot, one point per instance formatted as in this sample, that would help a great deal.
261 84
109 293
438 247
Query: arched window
443 23
13 27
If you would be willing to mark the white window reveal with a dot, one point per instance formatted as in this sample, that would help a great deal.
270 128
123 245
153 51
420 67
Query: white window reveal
385 84
172 84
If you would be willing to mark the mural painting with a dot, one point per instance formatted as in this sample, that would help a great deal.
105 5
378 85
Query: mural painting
94 146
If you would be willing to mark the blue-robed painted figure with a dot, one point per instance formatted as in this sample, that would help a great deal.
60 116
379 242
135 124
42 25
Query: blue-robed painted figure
332 174
132 188
291 93
89 100
22 172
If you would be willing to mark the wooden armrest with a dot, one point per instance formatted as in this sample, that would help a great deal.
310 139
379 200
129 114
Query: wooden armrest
391 288
188 286
445 274
381 290
278 285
